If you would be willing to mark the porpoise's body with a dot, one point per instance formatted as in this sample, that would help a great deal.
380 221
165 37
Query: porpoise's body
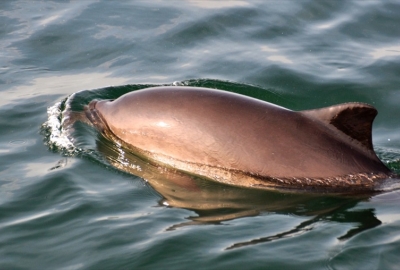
243 141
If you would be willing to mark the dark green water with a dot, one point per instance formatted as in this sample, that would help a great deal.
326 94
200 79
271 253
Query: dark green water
63 210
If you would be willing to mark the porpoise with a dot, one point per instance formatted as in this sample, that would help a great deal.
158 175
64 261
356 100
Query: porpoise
243 141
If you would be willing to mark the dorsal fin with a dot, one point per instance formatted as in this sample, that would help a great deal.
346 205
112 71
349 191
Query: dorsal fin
353 119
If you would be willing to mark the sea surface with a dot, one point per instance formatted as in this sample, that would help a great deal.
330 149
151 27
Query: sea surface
82 205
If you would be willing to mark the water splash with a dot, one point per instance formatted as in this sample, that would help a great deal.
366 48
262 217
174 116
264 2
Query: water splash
57 138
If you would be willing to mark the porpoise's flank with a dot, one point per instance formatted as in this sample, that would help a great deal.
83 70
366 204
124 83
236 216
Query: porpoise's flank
242 141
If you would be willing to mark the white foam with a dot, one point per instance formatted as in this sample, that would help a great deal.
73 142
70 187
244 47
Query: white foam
58 136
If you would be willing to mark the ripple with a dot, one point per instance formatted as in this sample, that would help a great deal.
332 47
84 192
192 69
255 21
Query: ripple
17 142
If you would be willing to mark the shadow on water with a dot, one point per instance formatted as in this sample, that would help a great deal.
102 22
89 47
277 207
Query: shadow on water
211 201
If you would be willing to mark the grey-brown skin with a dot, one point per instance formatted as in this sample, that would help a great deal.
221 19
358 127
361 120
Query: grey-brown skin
243 141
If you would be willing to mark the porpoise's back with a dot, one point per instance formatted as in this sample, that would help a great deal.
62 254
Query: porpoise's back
219 134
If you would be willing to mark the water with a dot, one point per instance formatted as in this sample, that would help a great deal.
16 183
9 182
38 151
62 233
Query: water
76 211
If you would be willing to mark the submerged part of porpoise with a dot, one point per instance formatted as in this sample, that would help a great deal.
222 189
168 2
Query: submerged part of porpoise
242 141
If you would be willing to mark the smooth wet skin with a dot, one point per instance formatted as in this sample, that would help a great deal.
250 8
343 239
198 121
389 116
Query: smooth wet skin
243 141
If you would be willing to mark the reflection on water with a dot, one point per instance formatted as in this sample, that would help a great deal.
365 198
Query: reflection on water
65 84
215 202
385 52
364 219
207 4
